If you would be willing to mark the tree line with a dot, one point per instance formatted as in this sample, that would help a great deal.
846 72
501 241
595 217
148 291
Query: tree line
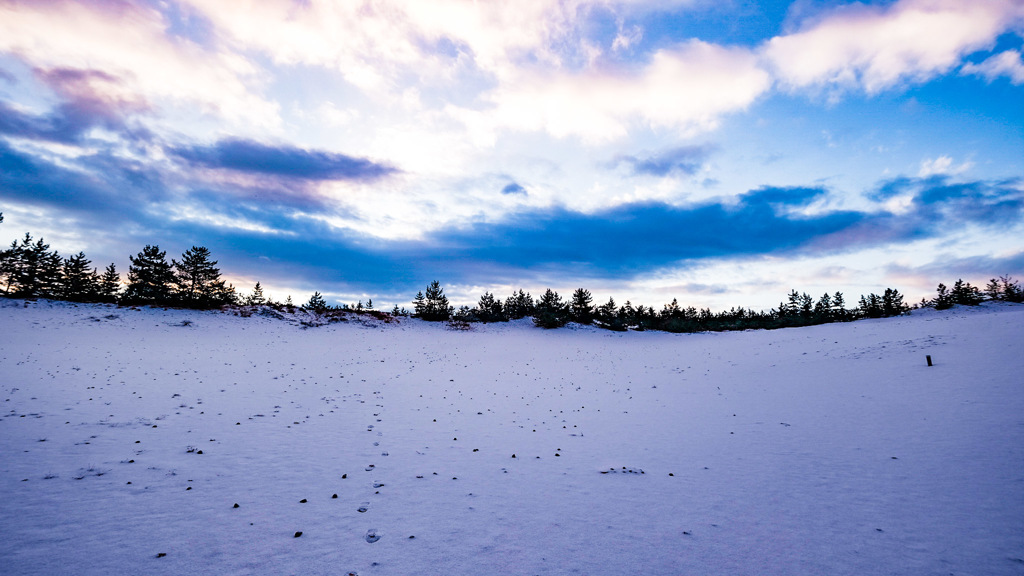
552 311
799 309
29 269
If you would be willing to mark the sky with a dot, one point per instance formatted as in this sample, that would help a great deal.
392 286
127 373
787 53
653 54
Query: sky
720 152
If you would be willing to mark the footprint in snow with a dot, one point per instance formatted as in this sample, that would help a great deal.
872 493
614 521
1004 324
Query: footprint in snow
372 535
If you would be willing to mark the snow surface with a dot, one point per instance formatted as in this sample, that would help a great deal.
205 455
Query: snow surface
823 450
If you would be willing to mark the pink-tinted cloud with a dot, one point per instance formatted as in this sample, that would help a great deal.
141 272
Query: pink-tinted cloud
117 53
1008 63
874 48
687 89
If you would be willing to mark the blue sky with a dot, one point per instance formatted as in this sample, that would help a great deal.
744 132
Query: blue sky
718 152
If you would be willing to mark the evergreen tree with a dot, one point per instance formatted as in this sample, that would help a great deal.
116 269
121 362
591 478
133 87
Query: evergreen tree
256 298
8 268
79 282
671 311
607 315
197 280
489 309
32 270
1011 290
645 317
871 306
943 299
550 311
965 294
316 303
435 304
627 314
519 305
793 305
806 306
823 309
110 284
892 303
581 307
419 304
993 290
839 311
150 277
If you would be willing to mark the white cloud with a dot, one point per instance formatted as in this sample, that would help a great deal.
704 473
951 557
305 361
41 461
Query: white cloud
1006 63
627 38
385 37
943 165
875 48
685 89
129 60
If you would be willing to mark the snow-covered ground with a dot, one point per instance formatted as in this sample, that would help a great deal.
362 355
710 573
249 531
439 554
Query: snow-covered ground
127 437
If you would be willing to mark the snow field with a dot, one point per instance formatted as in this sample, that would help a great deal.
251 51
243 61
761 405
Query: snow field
824 450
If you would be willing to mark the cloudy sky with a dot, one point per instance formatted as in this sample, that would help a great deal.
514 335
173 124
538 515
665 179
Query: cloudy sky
720 152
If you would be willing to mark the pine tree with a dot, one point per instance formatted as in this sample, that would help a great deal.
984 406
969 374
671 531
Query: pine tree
965 294
892 303
519 305
823 308
256 298
871 306
32 270
1011 290
793 306
150 277
9 260
197 280
608 313
79 283
110 284
435 304
839 311
581 307
645 317
993 290
943 299
671 311
806 306
550 311
419 304
316 303
489 309
627 314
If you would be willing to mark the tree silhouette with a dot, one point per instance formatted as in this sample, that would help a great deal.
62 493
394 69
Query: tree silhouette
80 282
316 303
110 284
489 309
435 304
31 270
197 280
256 298
150 277
581 307
550 311
519 305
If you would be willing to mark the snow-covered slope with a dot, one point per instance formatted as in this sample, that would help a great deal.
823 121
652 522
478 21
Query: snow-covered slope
127 437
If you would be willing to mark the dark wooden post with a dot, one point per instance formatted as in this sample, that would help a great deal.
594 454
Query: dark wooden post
928 357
